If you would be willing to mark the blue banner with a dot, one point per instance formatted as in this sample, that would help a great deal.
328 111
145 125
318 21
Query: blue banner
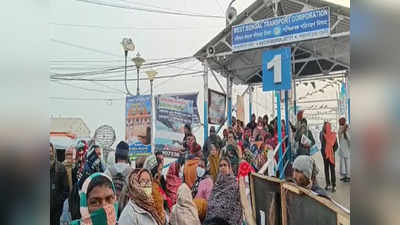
172 113
138 125
294 27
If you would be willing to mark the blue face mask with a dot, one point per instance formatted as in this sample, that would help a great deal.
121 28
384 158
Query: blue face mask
102 216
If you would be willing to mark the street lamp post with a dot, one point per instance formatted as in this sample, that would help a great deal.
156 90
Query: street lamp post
127 45
151 74
138 62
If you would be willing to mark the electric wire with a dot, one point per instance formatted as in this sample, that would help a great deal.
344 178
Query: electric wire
151 10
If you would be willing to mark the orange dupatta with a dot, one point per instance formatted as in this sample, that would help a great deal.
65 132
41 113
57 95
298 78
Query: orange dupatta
330 139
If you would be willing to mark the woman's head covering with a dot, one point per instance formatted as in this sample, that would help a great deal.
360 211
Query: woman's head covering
224 201
173 182
233 156
201 205
185 211
139 197
103 216
190 171
213 161
150 163
93 164
330 139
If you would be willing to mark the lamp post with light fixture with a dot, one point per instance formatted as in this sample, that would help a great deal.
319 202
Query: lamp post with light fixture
127 45
151 74
138 62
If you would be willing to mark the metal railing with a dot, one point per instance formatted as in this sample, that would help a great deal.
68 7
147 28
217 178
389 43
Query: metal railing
284 158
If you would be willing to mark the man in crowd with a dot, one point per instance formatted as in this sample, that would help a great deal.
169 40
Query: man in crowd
305 173
121 169
58 187
252 124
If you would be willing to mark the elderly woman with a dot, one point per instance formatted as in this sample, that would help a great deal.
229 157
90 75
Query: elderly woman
224 201
185 211
98 201
141 209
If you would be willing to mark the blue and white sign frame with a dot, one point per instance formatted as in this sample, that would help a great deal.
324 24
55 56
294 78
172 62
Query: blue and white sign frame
284 29
277 69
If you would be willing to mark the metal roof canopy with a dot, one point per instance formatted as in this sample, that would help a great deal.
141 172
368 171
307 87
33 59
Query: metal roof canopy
313 57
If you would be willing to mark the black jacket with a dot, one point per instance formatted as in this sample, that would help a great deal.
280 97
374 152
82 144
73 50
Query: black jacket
58 191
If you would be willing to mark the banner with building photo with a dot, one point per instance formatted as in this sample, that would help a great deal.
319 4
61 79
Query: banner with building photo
216 107
138 125
172 113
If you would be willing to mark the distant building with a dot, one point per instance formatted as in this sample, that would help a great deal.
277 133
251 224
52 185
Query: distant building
65 132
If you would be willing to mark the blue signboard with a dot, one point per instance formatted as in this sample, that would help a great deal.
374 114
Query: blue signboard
277 69
294 27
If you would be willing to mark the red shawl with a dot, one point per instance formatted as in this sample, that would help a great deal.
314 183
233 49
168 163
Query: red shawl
330 139
173 182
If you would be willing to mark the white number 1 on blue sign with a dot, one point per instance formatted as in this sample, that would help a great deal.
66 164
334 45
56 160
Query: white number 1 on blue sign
276 63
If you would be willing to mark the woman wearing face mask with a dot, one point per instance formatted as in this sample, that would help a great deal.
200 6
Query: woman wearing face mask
185 211
204 184
98 201
224 201
93 164
140 210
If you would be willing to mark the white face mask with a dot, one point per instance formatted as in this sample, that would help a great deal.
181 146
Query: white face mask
200 172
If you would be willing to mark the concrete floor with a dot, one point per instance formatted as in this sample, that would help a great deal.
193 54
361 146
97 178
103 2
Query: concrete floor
342 194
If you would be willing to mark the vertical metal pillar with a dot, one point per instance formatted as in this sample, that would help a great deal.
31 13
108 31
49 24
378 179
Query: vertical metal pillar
279 120
294 97
205 101
348 96
229 86
250 102
287 123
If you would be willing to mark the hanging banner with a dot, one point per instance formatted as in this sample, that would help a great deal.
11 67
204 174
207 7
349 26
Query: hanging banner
279 30
172 113
240 108
189 97
138 125
216 107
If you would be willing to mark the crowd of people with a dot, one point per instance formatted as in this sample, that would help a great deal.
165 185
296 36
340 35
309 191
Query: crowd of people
204 186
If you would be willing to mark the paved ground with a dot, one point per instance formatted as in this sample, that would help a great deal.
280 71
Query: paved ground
342 194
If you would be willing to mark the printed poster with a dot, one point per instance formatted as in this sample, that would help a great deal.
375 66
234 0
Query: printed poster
138 125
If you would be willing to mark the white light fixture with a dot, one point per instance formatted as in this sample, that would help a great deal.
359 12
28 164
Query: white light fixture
138 60
151 74
127 44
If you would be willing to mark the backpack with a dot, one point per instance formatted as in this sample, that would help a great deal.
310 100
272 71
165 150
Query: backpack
119 179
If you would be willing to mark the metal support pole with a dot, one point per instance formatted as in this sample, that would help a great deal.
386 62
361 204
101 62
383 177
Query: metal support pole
126 64
279 120
137 83
294 97
287 123
229 85
348 96
205 101
152 117
250 102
